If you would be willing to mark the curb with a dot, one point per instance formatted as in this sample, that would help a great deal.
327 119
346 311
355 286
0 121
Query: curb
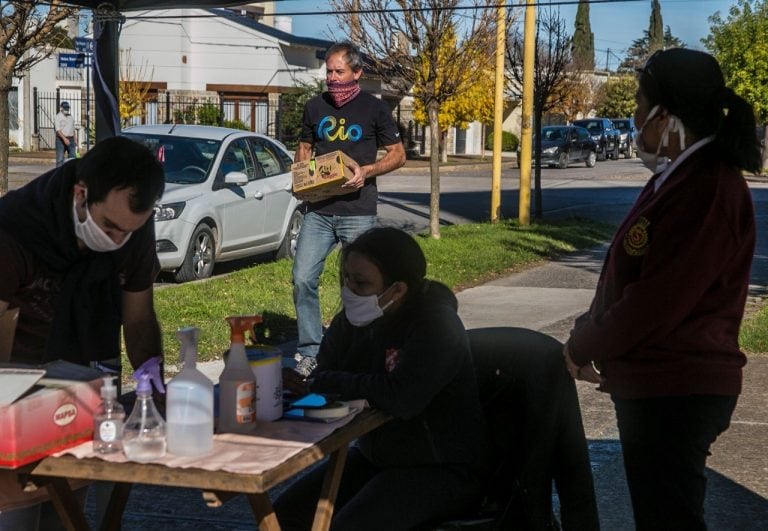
453 167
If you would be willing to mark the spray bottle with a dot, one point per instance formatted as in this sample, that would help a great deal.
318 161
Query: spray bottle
189 409
144 431
108 421
237 383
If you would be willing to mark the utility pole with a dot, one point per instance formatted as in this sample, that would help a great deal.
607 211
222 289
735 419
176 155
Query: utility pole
526 133
498 110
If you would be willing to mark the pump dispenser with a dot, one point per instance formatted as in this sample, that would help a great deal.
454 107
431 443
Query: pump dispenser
144 431
108 421
189 409
237 383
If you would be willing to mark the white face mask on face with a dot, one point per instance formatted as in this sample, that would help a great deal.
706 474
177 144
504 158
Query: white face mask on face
362 310
653 161
91 234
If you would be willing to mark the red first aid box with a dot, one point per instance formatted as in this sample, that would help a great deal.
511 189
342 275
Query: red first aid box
55 415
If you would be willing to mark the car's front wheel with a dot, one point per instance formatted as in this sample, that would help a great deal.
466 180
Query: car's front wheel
201 256
562 161
591 159
616 152
602 152
287 248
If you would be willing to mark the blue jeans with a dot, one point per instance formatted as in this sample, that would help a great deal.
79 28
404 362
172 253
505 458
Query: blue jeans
61 149
319 235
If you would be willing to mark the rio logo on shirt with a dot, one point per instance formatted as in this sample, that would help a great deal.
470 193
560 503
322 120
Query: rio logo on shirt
328 131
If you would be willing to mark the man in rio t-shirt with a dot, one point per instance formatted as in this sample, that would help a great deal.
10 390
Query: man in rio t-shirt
357 123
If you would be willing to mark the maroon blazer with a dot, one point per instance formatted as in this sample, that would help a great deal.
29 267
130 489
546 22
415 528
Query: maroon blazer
665 318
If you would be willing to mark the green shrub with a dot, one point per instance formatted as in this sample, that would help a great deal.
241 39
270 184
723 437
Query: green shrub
208 114
509 141
235 124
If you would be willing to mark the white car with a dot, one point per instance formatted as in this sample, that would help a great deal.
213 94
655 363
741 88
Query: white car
227 196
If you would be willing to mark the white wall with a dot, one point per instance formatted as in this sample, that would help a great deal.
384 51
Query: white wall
43 76
216 50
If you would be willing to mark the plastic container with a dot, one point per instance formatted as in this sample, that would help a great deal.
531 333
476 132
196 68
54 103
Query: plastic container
108 421
267 365
237 383
189 407
144 431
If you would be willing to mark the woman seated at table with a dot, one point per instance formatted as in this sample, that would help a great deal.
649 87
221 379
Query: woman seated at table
399 344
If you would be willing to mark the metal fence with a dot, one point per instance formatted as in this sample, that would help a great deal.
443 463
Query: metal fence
259 114
256 114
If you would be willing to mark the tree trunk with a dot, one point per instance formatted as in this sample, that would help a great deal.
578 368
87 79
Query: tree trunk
4 89
765 148
434 171
537 203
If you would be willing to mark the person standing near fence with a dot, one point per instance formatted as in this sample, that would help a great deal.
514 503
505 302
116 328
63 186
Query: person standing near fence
64 123
357 123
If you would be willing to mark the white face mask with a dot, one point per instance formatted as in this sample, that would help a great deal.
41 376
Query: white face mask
93 237
362 310
652 161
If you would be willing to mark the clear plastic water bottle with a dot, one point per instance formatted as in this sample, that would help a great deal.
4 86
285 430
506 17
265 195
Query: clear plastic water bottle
189 406
108 421
144 431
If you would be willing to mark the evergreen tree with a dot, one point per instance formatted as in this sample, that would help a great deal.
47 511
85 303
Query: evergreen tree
583 50
639 50
655 28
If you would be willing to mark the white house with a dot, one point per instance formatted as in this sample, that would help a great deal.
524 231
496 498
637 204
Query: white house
229 56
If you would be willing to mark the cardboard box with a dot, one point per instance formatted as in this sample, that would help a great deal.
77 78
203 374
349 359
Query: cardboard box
54 415
321 177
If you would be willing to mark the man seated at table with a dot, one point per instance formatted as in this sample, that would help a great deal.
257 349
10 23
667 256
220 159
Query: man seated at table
400 345
79 258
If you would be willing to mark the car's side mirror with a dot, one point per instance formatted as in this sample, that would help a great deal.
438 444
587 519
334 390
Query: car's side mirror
237 178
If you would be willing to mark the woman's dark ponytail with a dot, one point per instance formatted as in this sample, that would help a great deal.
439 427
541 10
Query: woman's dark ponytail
736 135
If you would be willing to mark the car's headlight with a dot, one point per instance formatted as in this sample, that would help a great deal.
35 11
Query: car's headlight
550 151
169 211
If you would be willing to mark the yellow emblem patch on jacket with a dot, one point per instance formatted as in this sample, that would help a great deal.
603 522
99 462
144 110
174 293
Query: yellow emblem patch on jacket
636 239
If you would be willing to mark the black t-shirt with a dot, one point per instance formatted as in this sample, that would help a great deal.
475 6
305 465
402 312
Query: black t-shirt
358 129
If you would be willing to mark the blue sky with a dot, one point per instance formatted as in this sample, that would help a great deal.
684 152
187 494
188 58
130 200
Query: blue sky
615 25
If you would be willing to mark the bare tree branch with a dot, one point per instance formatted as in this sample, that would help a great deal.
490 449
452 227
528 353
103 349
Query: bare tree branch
425 66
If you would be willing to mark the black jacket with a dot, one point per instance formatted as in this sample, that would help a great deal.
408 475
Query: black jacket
415 365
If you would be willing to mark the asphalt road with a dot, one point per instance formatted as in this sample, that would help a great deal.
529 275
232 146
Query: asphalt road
604 193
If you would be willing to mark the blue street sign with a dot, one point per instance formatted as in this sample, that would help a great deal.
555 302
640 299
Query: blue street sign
71 60
84 44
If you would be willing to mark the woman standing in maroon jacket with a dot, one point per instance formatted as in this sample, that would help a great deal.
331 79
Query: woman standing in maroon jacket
661 335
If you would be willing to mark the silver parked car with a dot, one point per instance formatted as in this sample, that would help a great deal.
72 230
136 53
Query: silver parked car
227 196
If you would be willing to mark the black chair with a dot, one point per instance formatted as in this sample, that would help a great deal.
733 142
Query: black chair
536 433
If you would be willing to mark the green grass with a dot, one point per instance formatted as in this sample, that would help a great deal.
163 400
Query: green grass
754 332
465 255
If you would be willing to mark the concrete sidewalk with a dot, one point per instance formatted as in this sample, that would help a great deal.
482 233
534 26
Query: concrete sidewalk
547 298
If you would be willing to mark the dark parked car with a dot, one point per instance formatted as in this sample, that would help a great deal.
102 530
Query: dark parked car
605 135
626 127
562 145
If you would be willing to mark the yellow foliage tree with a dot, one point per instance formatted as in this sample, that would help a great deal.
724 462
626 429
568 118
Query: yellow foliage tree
135 82
473 98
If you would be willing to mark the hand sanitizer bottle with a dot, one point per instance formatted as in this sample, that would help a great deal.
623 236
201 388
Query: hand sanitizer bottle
237 383
108 421
144 431
189 409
